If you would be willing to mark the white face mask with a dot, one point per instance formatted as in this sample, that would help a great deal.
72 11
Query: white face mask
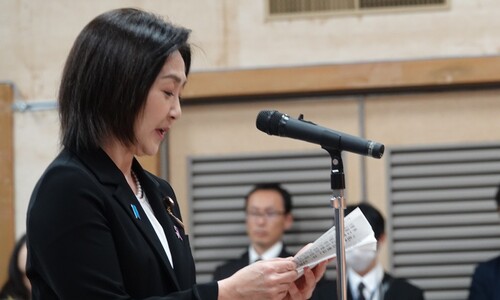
359 259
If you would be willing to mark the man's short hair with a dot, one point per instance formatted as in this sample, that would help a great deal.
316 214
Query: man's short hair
373 216
285 195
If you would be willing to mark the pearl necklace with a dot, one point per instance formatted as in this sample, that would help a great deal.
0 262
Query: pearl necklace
139 193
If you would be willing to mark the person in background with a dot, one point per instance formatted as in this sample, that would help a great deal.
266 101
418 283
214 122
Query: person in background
17 286
268 209
366 278
99 225
485 284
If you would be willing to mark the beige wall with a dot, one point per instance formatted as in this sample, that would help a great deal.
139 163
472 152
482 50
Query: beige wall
35 36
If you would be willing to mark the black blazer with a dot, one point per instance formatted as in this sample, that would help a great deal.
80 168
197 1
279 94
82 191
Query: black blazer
86 242
392 289
485 283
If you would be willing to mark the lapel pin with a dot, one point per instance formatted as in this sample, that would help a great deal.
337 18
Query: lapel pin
177 233
136 212
169 203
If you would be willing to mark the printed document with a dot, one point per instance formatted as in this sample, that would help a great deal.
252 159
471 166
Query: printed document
358 234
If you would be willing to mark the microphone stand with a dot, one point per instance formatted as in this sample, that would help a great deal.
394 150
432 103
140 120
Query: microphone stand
337 180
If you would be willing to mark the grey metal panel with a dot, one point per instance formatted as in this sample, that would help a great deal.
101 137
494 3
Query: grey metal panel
217 217
243 178
314 213
311 188
220 241
444 207
210 254
217 189
444 194
218 204
314 225
389 228
445 232
445 220
451 282
446 182
445 245
446 169
260 164
210 192
450 154
312 200
219 229
440 270
443 258
442 216
300 237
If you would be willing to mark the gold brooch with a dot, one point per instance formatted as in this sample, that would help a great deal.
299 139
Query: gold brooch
169 204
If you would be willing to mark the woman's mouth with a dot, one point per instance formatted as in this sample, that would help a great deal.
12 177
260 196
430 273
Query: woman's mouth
161 131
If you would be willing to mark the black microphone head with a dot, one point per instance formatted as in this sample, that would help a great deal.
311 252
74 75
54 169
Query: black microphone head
268 121
377 150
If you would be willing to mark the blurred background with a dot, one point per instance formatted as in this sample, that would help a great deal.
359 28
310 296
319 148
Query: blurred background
420 76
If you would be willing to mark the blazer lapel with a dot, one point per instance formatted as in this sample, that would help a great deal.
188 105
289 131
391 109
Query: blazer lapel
173 231
125 196
107 172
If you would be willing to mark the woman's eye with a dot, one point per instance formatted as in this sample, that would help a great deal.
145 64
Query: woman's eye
168 94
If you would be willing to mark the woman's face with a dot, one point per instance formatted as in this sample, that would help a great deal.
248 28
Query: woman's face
162 106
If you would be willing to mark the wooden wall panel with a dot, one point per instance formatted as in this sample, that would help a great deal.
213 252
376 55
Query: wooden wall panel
346 78
7 232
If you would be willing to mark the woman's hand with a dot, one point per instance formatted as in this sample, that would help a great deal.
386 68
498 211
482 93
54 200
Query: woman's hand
270 279
304 286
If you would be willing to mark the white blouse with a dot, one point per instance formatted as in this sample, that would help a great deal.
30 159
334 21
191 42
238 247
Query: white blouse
156 225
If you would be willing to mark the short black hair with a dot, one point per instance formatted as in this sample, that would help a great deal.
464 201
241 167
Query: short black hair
285 195
112 65
373 216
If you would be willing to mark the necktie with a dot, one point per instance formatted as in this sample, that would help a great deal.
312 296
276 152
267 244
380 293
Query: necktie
361 288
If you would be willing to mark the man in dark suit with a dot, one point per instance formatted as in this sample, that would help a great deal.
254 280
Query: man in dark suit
366 278
268 215
485 283
268 210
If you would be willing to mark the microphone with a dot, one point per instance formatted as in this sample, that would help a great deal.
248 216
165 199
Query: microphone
273 122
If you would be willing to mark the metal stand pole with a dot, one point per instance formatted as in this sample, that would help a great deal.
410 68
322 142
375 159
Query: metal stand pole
337 179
